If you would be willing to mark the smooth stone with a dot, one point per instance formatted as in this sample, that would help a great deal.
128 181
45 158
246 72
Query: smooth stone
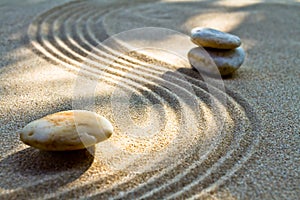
216 61
208 37
67 130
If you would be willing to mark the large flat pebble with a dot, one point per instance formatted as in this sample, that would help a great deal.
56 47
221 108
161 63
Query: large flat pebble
67 130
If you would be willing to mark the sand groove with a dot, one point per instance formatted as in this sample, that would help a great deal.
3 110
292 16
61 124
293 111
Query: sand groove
200 132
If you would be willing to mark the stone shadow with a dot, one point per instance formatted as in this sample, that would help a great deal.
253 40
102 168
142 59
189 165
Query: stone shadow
38 172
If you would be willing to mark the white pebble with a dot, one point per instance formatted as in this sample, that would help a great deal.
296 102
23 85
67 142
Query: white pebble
67 130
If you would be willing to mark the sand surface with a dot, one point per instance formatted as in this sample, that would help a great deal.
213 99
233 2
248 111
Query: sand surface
178 134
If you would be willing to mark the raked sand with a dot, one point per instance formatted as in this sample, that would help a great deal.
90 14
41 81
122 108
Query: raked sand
177 134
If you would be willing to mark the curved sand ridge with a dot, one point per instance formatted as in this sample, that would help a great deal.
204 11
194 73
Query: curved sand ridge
220 145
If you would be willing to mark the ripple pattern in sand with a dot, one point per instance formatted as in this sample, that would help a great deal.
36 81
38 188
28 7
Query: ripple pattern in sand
205 133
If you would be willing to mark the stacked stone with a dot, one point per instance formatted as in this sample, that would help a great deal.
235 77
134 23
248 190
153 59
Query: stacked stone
222 49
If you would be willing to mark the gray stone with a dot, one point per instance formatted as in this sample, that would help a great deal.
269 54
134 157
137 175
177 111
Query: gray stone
216 61
67 130
207 37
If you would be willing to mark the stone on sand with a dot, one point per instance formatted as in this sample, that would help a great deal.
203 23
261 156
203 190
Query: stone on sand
226 61
67 130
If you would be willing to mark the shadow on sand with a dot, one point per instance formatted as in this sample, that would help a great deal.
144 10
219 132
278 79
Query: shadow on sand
32 169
